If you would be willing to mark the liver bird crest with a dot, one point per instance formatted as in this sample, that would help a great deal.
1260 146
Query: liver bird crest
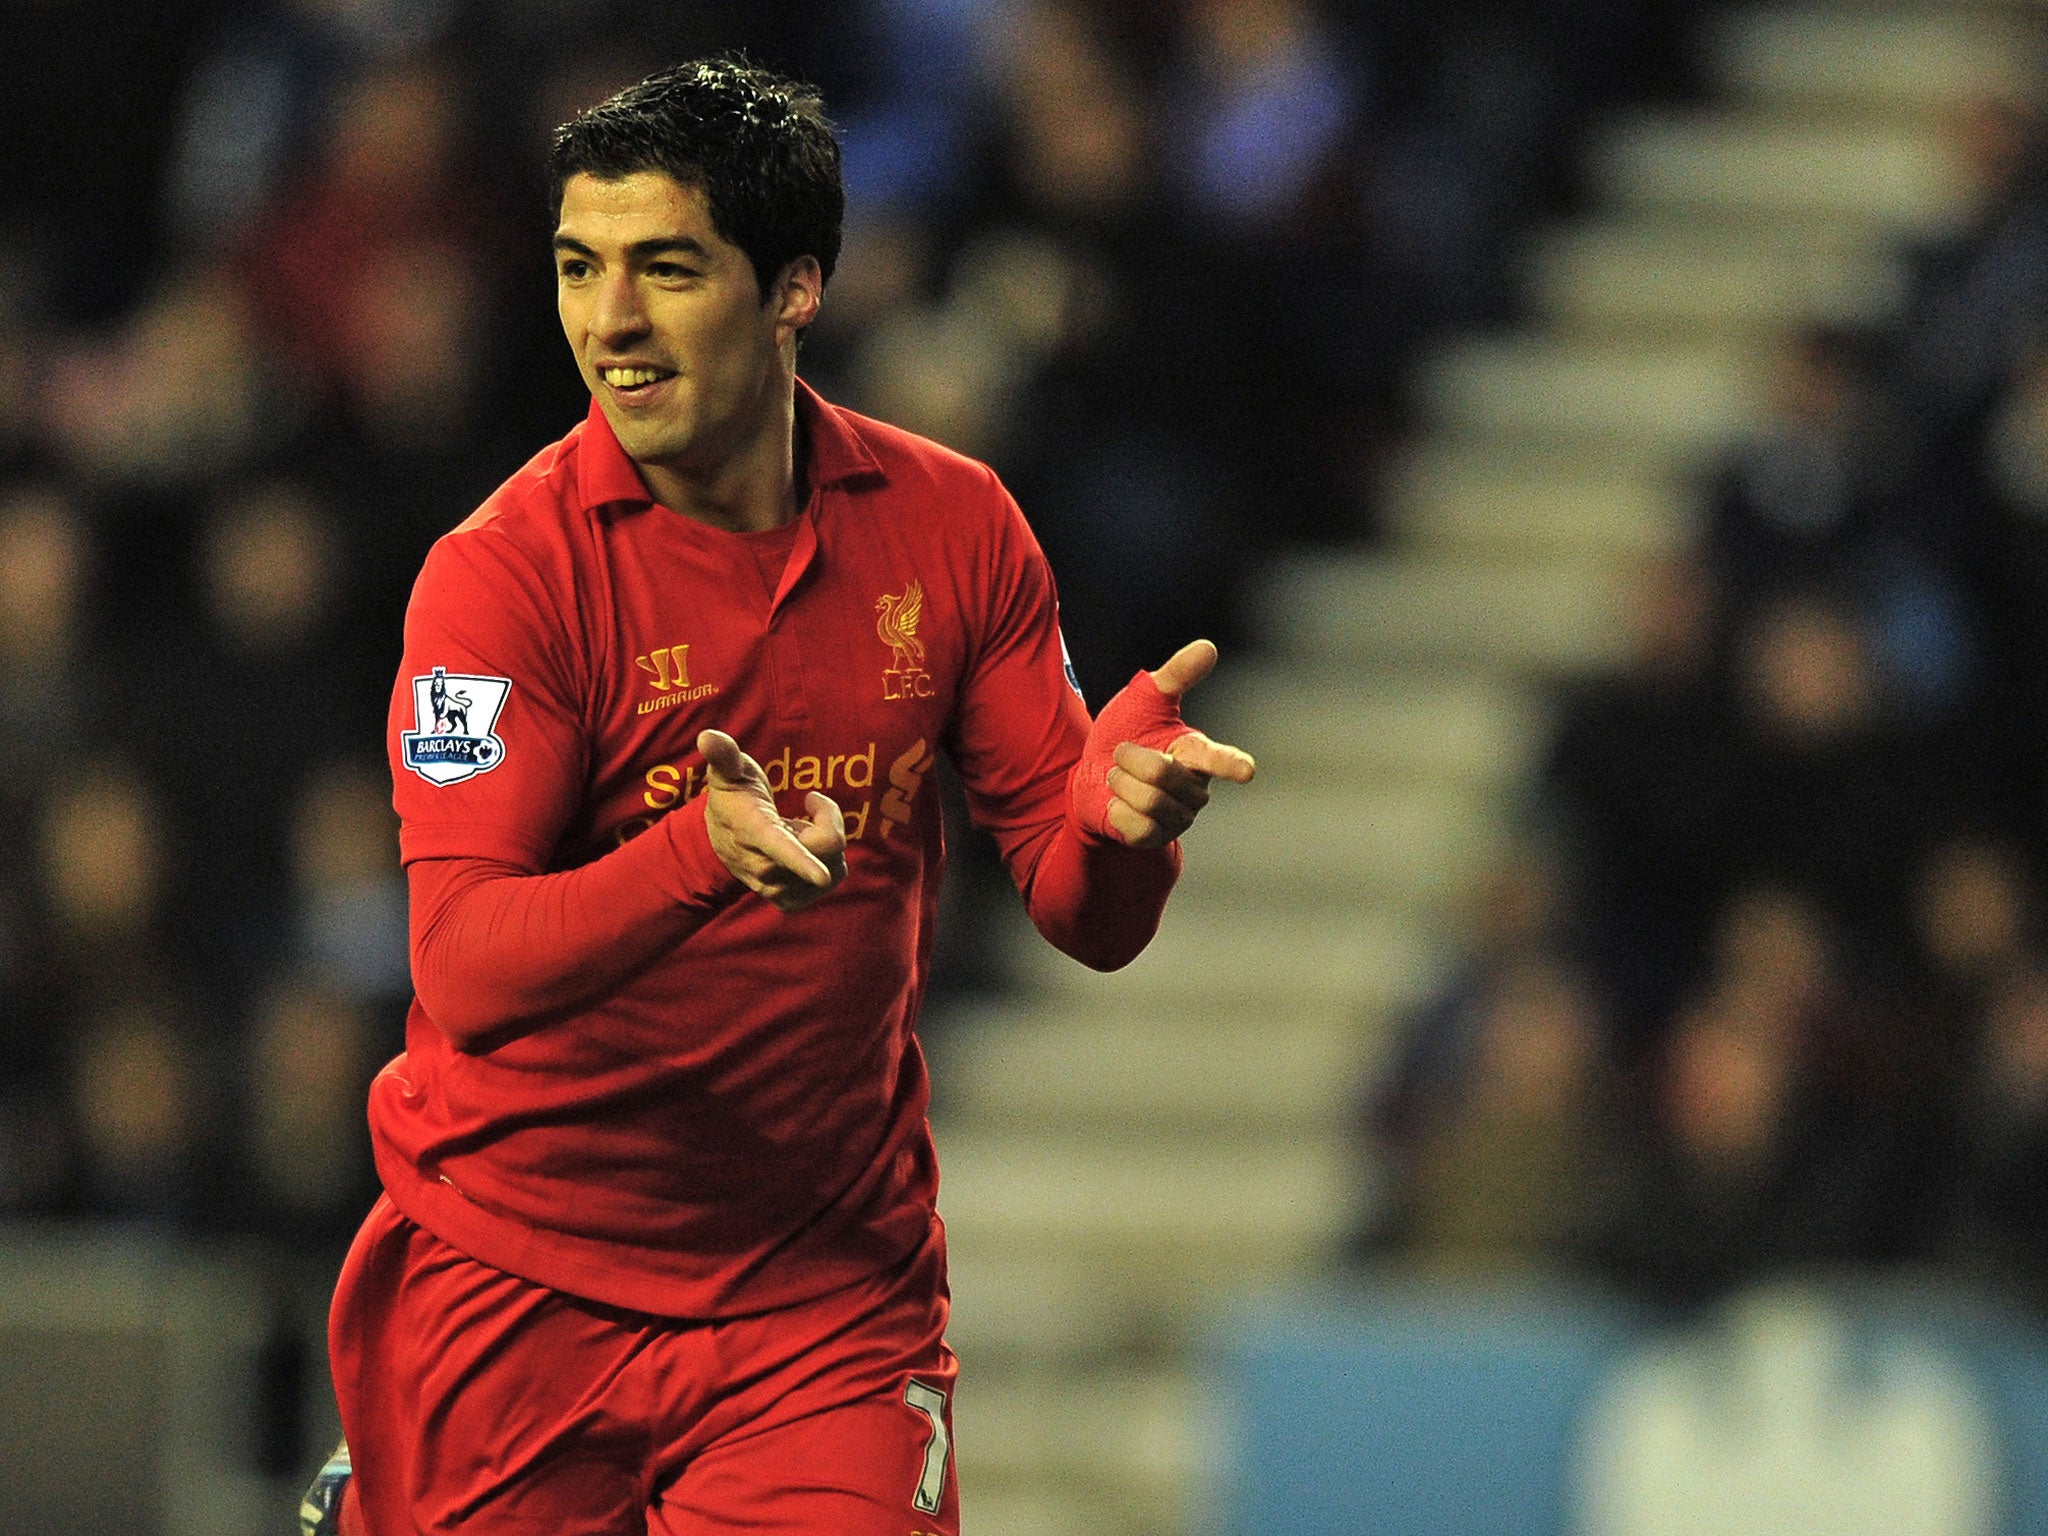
896 622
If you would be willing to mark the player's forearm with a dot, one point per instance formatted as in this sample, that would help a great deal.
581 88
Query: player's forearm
498 952
1098 901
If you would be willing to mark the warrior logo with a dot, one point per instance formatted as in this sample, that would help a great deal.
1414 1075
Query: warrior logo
668 674
455 713
658 662
896 622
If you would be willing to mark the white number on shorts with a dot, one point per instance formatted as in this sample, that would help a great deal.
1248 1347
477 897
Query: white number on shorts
931 1402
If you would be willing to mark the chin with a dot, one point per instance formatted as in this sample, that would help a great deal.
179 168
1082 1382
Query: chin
647 443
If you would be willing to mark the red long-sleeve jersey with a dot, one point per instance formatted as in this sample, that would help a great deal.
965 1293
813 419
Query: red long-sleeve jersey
625 1077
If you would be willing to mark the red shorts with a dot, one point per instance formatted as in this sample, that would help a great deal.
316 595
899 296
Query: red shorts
481 1403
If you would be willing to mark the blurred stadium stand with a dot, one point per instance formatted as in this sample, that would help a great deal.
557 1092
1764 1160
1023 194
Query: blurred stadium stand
1482 381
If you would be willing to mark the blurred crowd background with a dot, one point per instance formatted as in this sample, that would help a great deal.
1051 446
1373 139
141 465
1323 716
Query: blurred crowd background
1762 987
1766 981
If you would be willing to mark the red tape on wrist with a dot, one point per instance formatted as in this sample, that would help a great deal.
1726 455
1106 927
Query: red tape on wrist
1139 713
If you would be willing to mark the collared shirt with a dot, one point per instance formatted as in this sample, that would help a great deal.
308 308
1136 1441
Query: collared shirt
740 1124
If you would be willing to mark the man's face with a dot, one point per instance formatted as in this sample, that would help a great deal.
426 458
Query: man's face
669 325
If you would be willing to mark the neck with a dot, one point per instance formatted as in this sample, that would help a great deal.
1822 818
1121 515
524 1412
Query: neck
749 490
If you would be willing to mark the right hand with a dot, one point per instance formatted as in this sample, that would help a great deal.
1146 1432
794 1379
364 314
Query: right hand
789 863
1144 772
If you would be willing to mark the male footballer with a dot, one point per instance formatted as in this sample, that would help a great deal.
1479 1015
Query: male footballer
658 1249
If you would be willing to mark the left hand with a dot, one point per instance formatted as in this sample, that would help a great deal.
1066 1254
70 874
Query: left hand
788 863
1154 791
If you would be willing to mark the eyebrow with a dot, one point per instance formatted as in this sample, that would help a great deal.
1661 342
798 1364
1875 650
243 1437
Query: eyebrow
641 250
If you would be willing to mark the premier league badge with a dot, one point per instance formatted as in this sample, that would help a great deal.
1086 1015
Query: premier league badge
455 713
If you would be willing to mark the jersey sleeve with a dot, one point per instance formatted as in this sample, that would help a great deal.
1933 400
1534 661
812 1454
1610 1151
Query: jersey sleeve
1021 721
497 952
1018 736
489 748
490 751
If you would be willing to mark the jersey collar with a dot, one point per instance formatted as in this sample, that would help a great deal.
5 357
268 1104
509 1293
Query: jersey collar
838 454
605 476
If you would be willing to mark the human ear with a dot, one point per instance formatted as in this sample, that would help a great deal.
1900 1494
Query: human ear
799 291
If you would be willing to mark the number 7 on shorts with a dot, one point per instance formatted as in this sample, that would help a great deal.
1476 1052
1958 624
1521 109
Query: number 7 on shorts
930 1402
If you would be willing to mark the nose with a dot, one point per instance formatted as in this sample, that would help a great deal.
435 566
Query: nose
617 315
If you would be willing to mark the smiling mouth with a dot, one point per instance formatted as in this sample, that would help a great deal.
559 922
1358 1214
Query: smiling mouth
626 380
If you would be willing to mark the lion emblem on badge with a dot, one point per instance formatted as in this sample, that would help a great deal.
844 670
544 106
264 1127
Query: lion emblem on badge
455 715
451 706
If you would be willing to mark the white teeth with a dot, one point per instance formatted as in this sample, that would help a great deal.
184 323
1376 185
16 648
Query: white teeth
626 378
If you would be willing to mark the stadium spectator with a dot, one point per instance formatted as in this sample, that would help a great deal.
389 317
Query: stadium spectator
1260 106
1076 257
167 398
1487 1128
311 1051
1975 927
1767 1138
1975 916
1828 794
1792 507
139 1115
1508 1174
1998 1188
230 710
1512 917
1639 781
1978 290
348 898
389 182
105 873
1263 106
2002 509
1820 498
52 686
913 128
255 96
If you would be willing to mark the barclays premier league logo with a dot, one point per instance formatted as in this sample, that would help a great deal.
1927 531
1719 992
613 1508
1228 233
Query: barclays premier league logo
455 714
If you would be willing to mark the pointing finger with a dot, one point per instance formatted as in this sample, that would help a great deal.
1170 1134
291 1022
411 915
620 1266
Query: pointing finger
1187 667
1215 758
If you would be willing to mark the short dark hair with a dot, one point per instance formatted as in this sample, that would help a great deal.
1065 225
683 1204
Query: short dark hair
758 146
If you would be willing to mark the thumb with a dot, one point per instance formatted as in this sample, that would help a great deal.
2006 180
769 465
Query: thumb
1187 667
722 755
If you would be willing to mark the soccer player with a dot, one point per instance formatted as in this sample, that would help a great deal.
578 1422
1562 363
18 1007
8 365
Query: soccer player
658 1250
